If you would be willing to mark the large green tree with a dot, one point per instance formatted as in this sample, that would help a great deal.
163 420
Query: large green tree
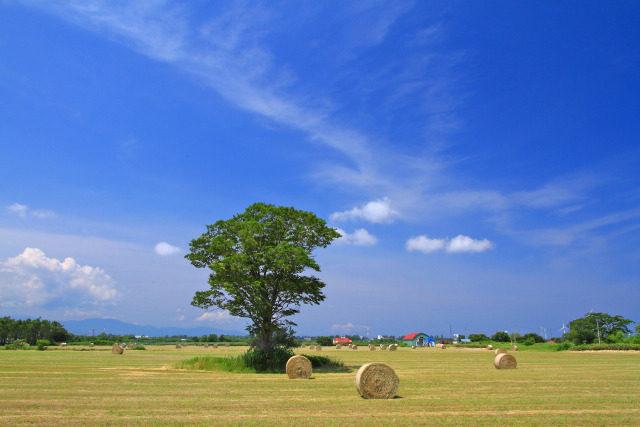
259 262
585 329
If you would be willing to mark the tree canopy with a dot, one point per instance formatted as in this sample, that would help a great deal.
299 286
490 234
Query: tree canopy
258 262
584 330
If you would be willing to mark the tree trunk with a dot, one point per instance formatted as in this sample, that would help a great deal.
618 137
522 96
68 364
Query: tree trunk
265 339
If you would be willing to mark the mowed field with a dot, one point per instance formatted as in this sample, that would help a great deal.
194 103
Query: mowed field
457 386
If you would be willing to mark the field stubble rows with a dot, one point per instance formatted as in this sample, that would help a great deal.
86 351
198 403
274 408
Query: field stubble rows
456 386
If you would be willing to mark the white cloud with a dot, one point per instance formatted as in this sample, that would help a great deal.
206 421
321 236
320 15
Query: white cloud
23 211
214 316
425 244
164 249
32 279
458 244
467 244
378 211
360 237
18 209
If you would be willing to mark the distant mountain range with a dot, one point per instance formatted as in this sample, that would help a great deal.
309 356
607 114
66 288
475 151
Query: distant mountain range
117 327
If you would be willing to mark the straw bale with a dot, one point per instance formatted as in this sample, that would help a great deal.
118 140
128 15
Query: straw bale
303 345
215 346
206 346
383 347
354 347
413 347
393 347
514 348
372 347
318 347
338 346
91 344
489 347
500 351
298 367
377 381
116 349
505 361
178 346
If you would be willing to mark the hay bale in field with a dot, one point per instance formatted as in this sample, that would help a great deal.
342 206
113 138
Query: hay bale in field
318 348
91 344
338 346
489 347
372 347
178 346
116 349
227 344
312 347
206 346
514 348
377 381
215 346
129 345
354 347
303 345
505 361
393 347
413 347
383 347
500 351
298 367
63 344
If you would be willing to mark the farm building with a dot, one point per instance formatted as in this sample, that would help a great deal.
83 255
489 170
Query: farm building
418 339
342 340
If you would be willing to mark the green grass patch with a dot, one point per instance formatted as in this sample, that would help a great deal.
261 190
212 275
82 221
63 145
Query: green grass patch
325 362
597 347
212 363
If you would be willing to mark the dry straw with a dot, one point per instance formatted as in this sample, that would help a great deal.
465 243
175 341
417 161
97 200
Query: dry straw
505 361
393 347
318 347
500 351
383 347
372 347
303 345
178 346
413 347
299 367
312 347
215 346
514 347
489 347
116 349
354 347
377 381
91 344
338 346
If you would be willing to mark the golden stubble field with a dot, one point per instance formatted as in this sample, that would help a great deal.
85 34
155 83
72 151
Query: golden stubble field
452 386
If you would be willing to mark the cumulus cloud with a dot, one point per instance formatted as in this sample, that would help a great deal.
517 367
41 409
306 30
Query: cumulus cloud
31 279
458 244
164 249
377 211
214 316
360 237
22 211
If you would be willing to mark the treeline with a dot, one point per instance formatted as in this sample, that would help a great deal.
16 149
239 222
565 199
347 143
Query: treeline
31 331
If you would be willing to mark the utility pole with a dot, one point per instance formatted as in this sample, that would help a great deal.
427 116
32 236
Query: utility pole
598 326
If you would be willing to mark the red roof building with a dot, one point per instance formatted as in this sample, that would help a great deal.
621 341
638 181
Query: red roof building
342 340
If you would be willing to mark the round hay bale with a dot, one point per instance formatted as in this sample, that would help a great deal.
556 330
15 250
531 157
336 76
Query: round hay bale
318 348
505 361
354 347
350 345
303 345
129 345
116 349
91 345
383 347
338 346
514 348
298 367
372 347
489 347
393 347
312 347
443 347
413 347
377 381
500 351
206 346
63 344
178 346
215 346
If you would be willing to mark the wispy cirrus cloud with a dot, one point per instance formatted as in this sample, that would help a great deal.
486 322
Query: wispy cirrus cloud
23 211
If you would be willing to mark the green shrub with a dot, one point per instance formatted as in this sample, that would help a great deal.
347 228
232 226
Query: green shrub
43 344
563 346
211 363
268 361
324 362
616 346
137 347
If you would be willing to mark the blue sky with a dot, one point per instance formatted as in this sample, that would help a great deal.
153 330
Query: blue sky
480 159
